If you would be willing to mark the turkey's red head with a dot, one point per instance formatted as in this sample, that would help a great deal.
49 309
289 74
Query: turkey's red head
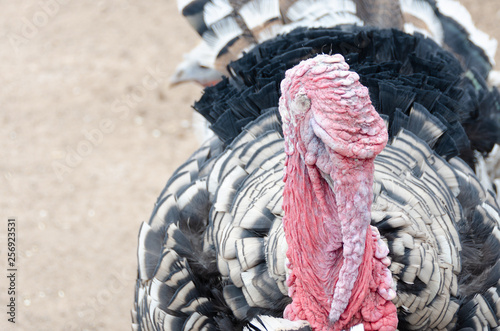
339 275
320 97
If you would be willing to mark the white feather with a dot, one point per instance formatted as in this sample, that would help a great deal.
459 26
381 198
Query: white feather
181 4
269 323
459 13
497 184
424 12
216 10
195 321
345 17
272 31
145 256
258 12
493 213
307 9
230 235
223 31
482 171
250 252
494 78
201 128
493 162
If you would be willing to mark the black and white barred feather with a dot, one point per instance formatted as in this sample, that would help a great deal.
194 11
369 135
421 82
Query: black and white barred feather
231 27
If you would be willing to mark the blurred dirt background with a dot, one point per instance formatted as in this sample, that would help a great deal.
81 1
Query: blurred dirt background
90 132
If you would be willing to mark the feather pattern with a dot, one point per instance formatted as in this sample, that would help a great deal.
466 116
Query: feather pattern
447 22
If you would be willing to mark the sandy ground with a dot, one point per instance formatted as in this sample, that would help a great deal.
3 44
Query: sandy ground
90 78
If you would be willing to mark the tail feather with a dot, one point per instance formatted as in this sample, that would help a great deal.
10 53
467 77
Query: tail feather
380 13
231 27
456 11
482 312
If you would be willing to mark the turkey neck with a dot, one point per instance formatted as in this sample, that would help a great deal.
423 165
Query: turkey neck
338 275
326 227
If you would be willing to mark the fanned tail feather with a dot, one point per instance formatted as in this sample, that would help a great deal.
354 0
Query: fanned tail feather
230 28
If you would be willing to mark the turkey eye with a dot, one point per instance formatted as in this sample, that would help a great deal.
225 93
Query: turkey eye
301 103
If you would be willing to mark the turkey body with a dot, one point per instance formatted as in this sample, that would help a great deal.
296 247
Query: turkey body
213 255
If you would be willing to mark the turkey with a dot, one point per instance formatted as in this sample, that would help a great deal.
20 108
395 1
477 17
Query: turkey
344 186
